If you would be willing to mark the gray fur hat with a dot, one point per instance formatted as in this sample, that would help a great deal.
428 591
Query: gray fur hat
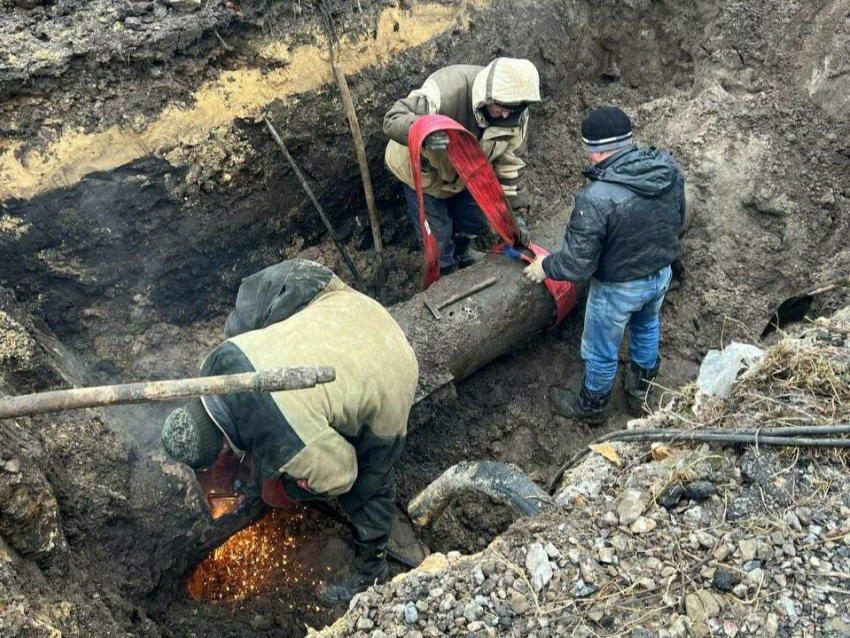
190 436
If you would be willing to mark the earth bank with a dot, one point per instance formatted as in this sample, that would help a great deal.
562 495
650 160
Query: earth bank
137 189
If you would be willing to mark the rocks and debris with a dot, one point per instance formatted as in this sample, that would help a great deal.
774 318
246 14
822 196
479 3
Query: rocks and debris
654 551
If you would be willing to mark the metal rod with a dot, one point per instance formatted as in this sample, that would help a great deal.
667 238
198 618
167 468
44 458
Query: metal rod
269 380
316 204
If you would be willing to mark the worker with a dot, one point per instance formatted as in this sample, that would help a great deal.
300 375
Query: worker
623 234
492 103
340 439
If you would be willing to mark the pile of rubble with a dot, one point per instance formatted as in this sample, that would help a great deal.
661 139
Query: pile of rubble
663 540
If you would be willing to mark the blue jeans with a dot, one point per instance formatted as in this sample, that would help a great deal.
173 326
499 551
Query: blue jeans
610 306
457 216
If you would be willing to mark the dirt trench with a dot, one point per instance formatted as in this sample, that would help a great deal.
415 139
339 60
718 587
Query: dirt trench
138 187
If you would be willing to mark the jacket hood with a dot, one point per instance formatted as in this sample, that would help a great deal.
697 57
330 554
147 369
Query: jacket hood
276 293
507 81
645 171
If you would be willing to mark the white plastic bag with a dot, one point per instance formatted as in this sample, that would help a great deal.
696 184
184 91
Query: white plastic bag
720 368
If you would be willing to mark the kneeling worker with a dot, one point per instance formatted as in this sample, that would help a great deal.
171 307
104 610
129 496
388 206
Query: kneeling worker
340 439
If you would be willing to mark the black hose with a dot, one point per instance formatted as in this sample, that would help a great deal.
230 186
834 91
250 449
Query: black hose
787 437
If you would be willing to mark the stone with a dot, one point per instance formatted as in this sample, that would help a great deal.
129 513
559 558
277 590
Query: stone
643 525
184 6
364 624
448 603
518 603
591 572
702 606
722 552
478 575
641 632
671 495
581 589
630 505
771 625
611 518
786 605
700 490
537 564
552 552
792 520
472 612
606 555
837 627
654 564
705 540
756 576
747 549
724 579
411 614
693 516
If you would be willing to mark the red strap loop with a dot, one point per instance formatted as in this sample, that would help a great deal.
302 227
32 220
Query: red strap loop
472 165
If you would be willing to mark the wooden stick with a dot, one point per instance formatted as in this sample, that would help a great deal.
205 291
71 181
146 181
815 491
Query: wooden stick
360 148
269 380
316 204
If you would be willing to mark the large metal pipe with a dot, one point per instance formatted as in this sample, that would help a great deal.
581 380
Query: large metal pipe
475 331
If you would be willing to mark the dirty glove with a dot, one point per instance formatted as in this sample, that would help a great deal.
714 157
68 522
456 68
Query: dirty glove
535 272
522 226
436 141
274 495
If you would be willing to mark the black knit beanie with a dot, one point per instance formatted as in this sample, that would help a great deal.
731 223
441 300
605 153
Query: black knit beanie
606 129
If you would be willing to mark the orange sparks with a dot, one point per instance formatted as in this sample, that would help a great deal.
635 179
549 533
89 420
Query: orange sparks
255 560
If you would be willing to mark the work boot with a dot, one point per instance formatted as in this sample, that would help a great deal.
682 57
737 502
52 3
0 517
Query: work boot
369 568
466 255
445 271
637 382
582 405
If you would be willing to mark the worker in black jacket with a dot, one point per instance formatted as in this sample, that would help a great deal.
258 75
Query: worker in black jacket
623 236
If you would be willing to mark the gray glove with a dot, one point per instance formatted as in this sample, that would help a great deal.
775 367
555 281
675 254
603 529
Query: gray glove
436 141
524 236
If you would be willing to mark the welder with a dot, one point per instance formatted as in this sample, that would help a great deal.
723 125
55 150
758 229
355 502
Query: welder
337 440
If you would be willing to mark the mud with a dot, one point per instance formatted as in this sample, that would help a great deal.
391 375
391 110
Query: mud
137 189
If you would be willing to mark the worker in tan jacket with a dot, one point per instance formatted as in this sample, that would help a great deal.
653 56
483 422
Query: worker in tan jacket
492 103
339 439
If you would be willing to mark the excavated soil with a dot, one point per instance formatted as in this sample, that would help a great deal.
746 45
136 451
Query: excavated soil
138 187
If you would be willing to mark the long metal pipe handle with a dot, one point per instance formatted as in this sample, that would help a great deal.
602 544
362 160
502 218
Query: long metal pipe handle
268 380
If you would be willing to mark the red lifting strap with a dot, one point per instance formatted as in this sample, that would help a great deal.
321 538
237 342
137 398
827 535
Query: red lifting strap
472 165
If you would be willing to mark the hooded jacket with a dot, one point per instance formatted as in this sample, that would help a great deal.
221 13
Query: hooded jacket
462 92
625 225
335 439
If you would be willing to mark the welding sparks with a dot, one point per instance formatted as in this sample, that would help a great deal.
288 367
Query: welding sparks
256 560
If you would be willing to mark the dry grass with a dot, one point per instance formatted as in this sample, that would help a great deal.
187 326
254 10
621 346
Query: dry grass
799 382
